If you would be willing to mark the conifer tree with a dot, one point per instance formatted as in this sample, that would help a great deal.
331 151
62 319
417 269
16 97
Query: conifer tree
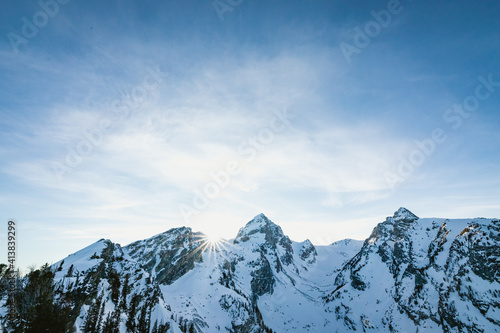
144 320
112 322
130 324
37 307
93 320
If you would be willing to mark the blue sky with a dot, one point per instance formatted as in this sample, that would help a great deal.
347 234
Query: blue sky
117 117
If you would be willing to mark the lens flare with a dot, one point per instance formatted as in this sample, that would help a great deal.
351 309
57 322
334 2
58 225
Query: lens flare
213 239
214 244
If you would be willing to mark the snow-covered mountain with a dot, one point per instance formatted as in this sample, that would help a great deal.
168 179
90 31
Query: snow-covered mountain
410 275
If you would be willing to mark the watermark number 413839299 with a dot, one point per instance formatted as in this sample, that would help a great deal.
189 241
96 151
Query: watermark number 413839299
11 244
11 259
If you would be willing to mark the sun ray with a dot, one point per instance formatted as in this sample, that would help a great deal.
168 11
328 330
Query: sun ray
212 245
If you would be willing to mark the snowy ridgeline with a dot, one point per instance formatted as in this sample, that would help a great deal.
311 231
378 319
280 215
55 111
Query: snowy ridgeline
411 274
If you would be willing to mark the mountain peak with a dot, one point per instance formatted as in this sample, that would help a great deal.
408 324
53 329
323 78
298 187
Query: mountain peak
404 214
261 217
260 224
258 221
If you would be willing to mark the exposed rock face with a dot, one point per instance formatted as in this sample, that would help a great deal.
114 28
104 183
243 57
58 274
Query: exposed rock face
262 278
169 255
308 252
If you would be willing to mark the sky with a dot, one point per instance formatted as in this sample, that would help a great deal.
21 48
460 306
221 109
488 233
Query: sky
123 119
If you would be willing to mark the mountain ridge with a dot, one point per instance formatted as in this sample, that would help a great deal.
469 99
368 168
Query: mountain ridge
411 273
